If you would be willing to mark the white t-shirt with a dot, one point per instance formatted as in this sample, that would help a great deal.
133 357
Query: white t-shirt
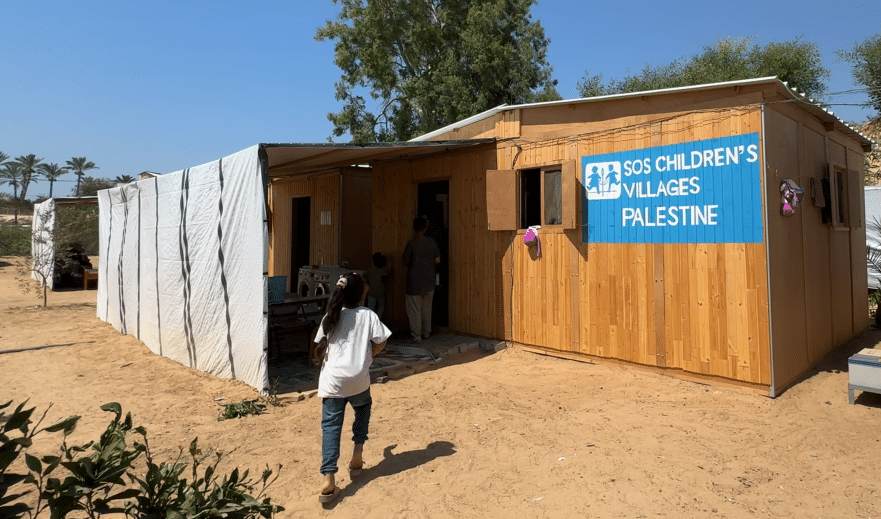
346 369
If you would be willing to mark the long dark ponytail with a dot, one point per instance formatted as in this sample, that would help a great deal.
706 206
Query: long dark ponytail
348 293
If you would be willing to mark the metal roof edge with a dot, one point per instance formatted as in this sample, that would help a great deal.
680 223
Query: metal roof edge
804 99
659 91
689 88
353 145
501 108
460 124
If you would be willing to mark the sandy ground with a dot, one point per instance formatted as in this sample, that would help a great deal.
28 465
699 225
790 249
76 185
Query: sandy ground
483 436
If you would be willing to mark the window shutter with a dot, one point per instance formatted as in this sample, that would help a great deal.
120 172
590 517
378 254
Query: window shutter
571 196
501 200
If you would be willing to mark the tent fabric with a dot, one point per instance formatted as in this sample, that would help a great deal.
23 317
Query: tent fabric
873 231
185 270
42 243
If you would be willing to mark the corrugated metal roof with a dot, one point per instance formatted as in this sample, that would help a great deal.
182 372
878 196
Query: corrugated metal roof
808 104
294 159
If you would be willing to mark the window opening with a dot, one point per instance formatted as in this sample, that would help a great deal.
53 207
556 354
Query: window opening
840 214
530 197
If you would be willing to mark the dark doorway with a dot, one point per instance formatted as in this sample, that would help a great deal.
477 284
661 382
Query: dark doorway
301 210
530 201
433 201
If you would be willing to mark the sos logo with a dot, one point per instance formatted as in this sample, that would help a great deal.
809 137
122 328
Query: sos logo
602 180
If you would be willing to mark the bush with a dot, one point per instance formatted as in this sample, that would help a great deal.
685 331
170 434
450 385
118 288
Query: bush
241 409
96 474
15 240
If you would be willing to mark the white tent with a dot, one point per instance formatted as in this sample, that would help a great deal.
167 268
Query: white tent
183 265
43 235
42 244
873 231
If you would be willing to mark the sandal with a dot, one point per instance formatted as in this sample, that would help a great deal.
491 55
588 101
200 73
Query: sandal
327 498
355 472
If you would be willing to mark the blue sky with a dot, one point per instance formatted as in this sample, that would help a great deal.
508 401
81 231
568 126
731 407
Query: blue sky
161 86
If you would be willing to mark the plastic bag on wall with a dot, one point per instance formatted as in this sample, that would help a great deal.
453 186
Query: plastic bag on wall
789 196
530 237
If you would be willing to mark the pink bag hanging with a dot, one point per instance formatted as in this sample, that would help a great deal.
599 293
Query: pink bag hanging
530 237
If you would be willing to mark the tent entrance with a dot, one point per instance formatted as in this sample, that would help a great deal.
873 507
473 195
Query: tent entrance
301 211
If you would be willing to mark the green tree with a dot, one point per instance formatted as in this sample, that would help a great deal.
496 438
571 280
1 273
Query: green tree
51 172
3 158
90 186
30 165
428 63
865 59
79 165
124 179
796 62
10 173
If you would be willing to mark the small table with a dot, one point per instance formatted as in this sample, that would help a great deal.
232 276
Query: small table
295 314
89 275
864 372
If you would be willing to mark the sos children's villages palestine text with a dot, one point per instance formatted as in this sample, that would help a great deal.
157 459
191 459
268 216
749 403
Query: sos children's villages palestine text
603 182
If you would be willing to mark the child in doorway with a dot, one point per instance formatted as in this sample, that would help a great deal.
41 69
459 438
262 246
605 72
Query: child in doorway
375 275
348 338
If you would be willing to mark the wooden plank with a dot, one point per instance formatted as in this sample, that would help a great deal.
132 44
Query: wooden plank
571 195
659 305
356 244
760 351
675 374
508 287
325 243
501 200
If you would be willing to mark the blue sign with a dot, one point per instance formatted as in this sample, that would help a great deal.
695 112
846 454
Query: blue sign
695 192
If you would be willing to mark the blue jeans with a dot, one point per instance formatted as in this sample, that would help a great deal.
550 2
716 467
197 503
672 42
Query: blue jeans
332 412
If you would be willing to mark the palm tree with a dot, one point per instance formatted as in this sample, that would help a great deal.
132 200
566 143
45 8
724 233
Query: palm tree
80 165
3 157
29 165
124 179
10 173
51 172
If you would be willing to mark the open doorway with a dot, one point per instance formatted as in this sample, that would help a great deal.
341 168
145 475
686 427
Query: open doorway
433 201
301 210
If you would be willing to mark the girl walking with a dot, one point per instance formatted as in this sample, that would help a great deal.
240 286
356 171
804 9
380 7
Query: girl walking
348 338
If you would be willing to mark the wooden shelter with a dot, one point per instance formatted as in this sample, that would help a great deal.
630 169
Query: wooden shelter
664 238
322 218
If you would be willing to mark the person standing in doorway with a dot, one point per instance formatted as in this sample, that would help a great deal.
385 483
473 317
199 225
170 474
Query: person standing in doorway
420 257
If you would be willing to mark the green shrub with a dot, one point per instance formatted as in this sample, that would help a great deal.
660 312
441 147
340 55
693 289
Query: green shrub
95 482
241 409
15 240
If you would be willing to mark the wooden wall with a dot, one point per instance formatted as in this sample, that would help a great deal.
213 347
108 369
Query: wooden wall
356 219
700 308
324 239
476 254
818 282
